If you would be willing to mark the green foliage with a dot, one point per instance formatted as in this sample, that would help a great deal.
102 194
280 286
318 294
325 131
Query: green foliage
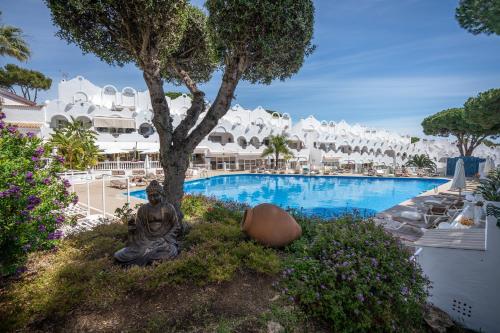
77 144
479 16
196 54
175 94
12 43
182 37
450 121
484 109
274 35
277 146
82 272
455 122
355 277
421 161
31 194
415 139
273 112
489 143
29 81
125 213
490 187
115 30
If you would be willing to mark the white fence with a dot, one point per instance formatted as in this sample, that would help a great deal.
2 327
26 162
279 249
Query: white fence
125 165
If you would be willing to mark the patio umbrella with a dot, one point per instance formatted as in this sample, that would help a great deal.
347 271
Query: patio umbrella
458 181
489 165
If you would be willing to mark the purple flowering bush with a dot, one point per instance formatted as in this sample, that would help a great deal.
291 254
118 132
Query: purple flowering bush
30 194
355 277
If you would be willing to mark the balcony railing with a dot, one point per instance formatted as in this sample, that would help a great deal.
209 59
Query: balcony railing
125 165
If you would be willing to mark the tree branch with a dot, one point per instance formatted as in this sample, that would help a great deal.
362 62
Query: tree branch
193 113
235 67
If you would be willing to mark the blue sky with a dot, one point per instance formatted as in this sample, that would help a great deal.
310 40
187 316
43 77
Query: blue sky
381 63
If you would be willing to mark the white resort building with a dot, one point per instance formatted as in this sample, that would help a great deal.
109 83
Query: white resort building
122 119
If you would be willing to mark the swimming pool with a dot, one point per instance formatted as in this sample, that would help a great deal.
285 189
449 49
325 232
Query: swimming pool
324 196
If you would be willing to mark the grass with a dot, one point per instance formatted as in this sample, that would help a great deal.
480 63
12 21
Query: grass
81 274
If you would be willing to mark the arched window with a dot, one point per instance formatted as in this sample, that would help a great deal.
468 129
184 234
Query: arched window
146 130
85 121
58 121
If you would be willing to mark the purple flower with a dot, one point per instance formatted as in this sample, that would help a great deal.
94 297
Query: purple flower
3 194
14 190
2 115
2 125
60 159
12 129
360 297
35 159
374 262
39 151
59 219
74 200
33 199
66 183
42 228
55 235
404 291
30 135
29 176
46 181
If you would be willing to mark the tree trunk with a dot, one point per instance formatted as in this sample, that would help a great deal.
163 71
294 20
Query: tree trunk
460 147
276 161
177 146
175 173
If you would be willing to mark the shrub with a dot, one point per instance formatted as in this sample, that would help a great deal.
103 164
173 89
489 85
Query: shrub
30 195
355 277
490 186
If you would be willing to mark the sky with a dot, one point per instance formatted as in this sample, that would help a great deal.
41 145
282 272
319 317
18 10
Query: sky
380 63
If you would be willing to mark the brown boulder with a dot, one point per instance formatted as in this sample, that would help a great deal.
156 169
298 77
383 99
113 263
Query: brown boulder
270 225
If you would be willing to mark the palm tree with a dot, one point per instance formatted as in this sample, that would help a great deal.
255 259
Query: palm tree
422 162
277 146
76 142
12 43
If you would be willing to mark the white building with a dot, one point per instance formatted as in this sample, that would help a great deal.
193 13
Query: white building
122 119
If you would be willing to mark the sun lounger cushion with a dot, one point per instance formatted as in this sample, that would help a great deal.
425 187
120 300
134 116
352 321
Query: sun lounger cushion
415 216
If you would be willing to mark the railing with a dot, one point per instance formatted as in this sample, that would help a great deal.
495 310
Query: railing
119 165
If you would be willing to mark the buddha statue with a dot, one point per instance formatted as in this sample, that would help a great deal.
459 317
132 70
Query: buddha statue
153 232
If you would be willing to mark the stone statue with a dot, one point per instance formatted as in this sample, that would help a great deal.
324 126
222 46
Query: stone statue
153 233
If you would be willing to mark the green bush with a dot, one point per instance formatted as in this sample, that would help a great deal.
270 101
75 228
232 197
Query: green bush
31 193
490 186
355 277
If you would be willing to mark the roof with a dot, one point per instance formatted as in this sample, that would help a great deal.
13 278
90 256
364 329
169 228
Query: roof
7 94
465 239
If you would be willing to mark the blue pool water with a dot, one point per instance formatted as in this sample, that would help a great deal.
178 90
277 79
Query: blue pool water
322 196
